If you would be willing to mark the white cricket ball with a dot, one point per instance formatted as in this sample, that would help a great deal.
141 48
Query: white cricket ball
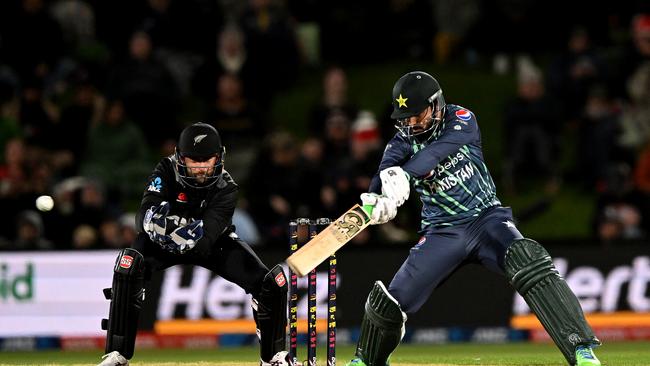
44 203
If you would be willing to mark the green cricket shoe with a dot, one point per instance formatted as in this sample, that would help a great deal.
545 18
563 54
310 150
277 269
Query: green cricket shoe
359 362
356 362
585 357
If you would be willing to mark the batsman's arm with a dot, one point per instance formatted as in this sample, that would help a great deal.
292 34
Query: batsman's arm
454 136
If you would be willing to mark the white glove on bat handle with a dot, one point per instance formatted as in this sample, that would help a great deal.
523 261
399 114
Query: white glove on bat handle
395 184
384 208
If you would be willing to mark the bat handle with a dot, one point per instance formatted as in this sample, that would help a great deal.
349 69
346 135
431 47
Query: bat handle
368 209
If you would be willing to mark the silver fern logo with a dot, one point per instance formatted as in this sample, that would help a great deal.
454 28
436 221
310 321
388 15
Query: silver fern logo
199 138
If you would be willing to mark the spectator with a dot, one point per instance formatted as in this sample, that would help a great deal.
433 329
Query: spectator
335 100
110 234
619 210
234 116
9 125
634 53
70 135
84 237
31 40
276 185
336 138
409 24
598 126
37 114
455 20
239 122
117 154
129 231
230 57
272 48
574 72
642 182
365 151
30 232
532 131
76 19
14 184
147 90
635 118
183 27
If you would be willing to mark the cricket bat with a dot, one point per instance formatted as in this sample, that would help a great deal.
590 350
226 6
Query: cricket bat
331 239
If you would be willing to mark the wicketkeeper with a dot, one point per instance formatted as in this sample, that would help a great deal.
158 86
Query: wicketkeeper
437 151
186 218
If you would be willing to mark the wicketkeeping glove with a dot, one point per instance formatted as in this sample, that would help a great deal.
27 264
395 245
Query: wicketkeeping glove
395 184
185 237
155 222
385 209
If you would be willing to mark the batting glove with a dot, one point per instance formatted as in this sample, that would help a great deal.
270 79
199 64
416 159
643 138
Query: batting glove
384 208
395 184
155 222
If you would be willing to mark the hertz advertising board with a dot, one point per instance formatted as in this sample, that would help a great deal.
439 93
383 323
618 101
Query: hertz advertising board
60 293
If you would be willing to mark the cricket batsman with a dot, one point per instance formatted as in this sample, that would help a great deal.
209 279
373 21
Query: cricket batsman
186 218
437 150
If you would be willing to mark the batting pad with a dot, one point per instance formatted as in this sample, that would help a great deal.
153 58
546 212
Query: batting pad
382 327
530 270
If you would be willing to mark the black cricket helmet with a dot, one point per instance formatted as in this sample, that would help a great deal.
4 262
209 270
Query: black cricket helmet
199 142
412 94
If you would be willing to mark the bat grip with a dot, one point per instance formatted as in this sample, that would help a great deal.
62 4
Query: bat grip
368 209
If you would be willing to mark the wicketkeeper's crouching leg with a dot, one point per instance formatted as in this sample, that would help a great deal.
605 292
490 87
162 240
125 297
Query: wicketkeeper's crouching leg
382 328
126 296
270 313
530 270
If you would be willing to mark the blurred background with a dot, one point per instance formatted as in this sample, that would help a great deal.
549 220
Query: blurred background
94 93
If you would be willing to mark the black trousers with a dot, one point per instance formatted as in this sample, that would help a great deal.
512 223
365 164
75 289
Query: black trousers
229 257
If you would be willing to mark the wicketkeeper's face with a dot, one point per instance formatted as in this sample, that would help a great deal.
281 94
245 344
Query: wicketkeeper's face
200 170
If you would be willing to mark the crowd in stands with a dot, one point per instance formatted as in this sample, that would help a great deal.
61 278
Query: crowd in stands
93 93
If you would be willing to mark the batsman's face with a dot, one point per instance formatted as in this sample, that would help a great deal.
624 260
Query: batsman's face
420 122
200 170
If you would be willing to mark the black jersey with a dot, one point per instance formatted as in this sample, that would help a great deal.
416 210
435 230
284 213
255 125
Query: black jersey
214 205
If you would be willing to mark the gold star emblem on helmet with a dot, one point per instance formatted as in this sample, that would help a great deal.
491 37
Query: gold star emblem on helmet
402 101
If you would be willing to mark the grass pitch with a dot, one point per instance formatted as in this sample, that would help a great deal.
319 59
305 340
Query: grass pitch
623 353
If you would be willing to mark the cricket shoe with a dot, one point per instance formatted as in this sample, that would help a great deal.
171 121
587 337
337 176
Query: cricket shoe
356 362
114 359
585 357
281 358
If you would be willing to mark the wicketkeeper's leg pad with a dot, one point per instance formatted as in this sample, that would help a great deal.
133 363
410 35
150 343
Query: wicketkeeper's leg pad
270 313
127 296
531 271
382 327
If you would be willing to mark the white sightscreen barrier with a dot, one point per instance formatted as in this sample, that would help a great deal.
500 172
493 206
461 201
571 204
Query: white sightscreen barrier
54 293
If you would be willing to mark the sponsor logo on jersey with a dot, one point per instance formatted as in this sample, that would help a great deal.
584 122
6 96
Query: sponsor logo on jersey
182 197
420 242
155 185
450 172
126 261
463 114
280 280
451 162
